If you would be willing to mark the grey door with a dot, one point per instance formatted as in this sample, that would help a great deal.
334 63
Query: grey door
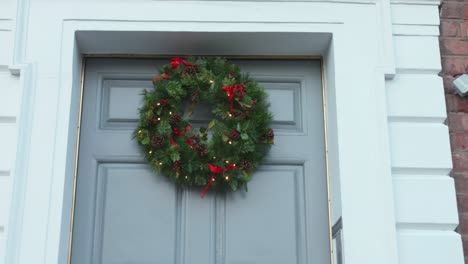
126 214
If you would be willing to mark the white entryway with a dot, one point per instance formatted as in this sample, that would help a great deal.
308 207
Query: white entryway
388 146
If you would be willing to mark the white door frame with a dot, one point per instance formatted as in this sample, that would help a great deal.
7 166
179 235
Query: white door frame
356 61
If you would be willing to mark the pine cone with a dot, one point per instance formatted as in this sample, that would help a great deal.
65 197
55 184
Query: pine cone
156 79
245 165
176 165
269 134
201 149
191 70
175 119
158 140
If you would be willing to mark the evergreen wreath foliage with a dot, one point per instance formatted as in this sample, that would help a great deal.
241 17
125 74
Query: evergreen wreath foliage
221 155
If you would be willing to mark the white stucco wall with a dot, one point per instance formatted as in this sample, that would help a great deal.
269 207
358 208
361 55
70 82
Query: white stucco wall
424 194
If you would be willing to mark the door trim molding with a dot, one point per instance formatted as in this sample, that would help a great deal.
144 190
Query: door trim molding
77 150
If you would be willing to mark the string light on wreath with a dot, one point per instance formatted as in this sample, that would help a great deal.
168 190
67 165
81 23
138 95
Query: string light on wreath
228 148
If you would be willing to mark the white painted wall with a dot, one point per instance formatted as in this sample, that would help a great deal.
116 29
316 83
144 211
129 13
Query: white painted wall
424 194
425 202
9 105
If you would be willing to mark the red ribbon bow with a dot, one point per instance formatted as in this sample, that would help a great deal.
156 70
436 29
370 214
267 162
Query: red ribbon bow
236 90
175 62
215 170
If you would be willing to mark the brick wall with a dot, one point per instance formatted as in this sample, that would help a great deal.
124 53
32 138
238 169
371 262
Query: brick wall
454 52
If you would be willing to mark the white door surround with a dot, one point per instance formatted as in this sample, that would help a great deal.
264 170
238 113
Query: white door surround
355 65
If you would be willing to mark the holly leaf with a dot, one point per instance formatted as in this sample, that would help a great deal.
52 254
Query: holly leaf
149 114
175 156
145 140
247 147
238 127
164 127
212 124
244 136
233 184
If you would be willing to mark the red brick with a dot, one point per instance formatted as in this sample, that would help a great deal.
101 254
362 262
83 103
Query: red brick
449 28
451 103
458 122
453 66
461 184
455 103
465 12
463 224
448 84
451 10
459 142
464 29
460 164
462 203
453 46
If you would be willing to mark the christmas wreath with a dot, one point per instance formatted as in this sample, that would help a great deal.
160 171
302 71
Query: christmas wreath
221 155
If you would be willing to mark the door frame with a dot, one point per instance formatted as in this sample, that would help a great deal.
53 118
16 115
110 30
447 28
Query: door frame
356 59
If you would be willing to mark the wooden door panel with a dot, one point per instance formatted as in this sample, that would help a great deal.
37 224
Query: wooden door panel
136 215
120 100
126 214
267 224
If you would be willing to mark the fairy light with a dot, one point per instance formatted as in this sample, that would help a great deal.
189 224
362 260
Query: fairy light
227 161
139 132
234 164
159 119
150 152
227 178
230 142
186 177
229 114
158 104
211 81
160 163
214 157
170 113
